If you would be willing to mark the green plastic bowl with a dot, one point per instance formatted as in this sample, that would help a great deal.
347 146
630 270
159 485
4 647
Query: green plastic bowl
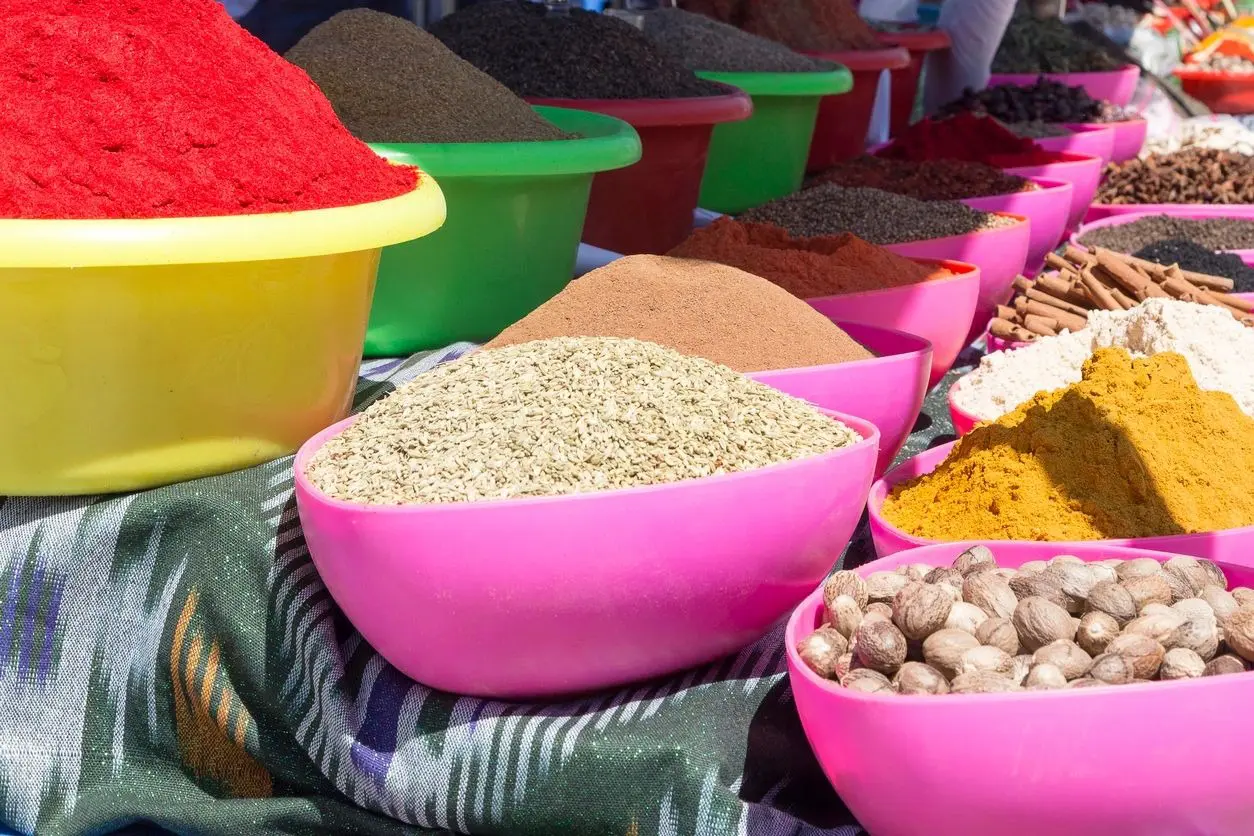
515 214
764 157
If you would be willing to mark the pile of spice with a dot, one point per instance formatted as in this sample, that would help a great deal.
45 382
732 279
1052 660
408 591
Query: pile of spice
1036 129
576 54
1135 449
701 43
967 136
117 109
1215 346
1216 63
694 307
1220 132
1198 259
1047 46
805 25
566 416
1103 280
927 180
1047 100
1213 233
390 81
1194 175
871 214
808 268
976 628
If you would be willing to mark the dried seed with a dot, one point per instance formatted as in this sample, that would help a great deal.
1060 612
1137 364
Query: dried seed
821 650
999 632
848 583
1181 663
918 678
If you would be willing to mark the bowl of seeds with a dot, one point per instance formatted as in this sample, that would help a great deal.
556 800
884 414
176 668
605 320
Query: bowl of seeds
615 508
1014 689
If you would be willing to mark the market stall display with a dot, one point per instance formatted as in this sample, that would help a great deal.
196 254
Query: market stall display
1129 233
1193 180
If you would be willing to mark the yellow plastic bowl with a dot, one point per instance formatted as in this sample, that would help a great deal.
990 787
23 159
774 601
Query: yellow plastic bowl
139 353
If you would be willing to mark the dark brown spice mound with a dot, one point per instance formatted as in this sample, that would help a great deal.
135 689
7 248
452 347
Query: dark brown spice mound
1193 175
928 180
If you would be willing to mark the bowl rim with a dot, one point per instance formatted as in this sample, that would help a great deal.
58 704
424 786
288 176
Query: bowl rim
869 443
883 57
921 346
1122 218
1045 185
814 600
216 239
734 105
1125 69
1068 158
949 397
833 82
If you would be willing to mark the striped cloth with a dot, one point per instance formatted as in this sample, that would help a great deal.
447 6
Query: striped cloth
172 657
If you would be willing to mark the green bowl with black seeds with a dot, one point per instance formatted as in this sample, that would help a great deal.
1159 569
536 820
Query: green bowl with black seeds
515 214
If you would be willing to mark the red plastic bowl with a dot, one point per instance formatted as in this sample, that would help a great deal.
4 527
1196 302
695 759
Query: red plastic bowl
1221 92
1047 209
939 311
1090 139
1115 86
1084 172
647 207
905 85
841 129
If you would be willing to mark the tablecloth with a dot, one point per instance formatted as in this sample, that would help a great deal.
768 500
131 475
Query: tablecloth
171 656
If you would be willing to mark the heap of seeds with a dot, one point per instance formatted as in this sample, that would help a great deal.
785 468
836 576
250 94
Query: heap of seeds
1212 233
705 44
873 215
564 416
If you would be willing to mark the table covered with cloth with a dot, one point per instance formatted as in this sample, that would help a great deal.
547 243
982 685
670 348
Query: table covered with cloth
171 658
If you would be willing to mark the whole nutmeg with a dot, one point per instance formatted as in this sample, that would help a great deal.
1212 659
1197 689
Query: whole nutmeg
1045 677
1065 655
1199 635
1143 653
881 608
1157 626
1181 663
1148 589
1096 631
920 609
1244 596
1039 585
982 682
1005 574
1180 588
844 665
1019 670
867 681
946 575
880 646
1154 609
848 583
912 572
991 593
821 650
1239 633
1112 669
985 658
1034 566
1086 682
1220 600
918 678
1192 608
882 587
943 650
1065 558
1190 571
964 616
1212 570
1102 572
1040 622
1141 567
976 558
1223 665
1112 599
844 614
1076 580
999 633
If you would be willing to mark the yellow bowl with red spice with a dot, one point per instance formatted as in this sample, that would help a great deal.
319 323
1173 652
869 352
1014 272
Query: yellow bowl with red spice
142 352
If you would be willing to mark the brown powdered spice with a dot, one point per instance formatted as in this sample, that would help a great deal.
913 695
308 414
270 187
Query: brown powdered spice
806 267
695 307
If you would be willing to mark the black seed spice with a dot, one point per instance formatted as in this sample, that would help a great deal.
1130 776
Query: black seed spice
576 55
1193 175
1197 259
873 215
925 180
389 81
1045 101
701 43
1047 46
1208 233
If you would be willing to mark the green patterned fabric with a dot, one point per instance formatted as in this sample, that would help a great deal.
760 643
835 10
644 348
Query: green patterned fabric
172 657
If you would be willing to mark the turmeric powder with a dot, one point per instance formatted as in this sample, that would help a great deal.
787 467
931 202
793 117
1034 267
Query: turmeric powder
1135 449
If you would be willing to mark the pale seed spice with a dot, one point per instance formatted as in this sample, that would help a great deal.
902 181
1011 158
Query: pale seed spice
563 416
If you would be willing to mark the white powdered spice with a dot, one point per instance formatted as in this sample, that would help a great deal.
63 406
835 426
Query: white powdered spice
562 416
1216 346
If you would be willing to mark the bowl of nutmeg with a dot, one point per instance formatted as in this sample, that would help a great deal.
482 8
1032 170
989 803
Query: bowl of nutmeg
960 689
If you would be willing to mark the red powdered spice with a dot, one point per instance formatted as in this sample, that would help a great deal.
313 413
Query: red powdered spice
806 267
166 108
966 137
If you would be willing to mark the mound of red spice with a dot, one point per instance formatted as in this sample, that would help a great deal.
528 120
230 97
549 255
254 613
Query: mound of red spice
165 108
967 136
806 267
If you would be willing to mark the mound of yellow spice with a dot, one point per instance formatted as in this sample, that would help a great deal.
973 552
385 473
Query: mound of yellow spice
1135 449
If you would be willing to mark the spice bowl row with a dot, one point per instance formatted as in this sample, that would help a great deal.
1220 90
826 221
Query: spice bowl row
1140 759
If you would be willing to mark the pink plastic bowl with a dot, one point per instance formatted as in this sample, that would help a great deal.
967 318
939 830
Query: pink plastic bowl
1047 209
1129 138
1115 86
1001 254
939 311
998 344
888 391
1089 139
1082 171
1234 545
963 421
1159 759
1118 220
591 590
1098 211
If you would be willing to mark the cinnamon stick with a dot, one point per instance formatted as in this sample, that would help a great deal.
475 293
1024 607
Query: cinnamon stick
1060 288
1137 286
1057 262
1125 301
1008 314
1181 289
1064 319
1232 301
1078 256
1049 299
1004 330
1199 279
1098 292
1040 325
